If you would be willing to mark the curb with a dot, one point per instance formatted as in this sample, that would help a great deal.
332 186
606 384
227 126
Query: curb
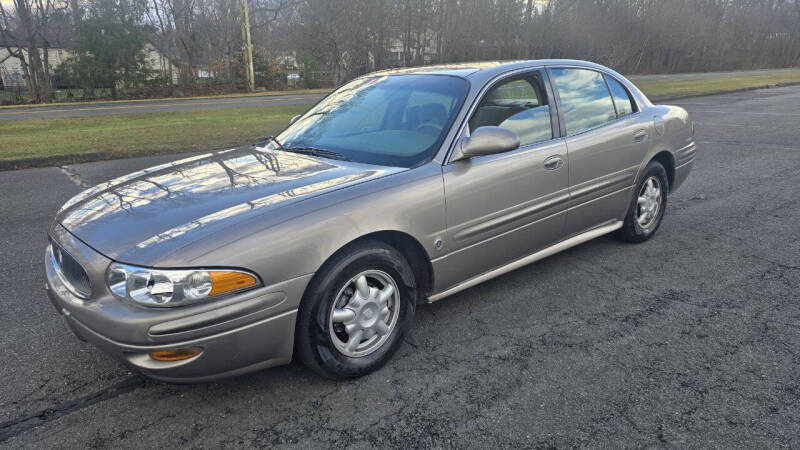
51 161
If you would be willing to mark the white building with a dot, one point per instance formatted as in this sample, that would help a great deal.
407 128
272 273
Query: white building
11 73
396 51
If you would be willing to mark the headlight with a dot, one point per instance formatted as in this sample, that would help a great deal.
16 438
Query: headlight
157 287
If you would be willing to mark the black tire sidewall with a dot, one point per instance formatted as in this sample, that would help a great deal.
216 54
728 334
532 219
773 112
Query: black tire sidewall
657 170
313 334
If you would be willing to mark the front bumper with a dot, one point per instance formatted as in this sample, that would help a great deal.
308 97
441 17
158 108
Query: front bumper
238 334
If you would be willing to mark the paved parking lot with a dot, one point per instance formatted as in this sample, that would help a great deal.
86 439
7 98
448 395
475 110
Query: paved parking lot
691 339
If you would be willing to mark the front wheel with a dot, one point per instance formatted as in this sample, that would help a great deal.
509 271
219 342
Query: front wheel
646 211
355 311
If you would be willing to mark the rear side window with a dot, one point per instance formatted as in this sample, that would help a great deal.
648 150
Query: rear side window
519 105
622 99
585 100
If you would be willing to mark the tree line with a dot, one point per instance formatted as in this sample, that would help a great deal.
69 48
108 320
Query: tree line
331 41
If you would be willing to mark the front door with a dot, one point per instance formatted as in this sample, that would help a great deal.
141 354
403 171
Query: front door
506 206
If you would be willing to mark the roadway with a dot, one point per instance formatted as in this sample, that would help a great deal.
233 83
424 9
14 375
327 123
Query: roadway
100 109
172 105
689 340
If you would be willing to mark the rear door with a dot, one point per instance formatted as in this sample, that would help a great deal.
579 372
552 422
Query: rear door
503 207
606 143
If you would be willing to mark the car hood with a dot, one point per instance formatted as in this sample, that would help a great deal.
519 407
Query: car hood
142 217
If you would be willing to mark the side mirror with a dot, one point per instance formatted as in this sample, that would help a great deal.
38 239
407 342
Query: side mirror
294 119
486 141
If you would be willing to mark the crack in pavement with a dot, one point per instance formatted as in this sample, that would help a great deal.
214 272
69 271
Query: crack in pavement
692 337
24 423
75 177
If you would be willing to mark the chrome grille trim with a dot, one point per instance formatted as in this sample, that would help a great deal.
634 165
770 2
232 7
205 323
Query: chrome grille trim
70 272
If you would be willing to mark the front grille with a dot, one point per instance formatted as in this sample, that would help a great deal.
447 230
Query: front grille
71 272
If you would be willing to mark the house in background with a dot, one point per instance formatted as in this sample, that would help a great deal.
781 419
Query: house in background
160 65
11 73
424 54
290 67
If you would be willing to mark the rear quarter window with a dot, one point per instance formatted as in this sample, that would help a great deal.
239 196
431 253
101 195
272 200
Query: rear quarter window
622 98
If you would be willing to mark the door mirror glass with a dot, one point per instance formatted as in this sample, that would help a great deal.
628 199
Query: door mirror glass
487 141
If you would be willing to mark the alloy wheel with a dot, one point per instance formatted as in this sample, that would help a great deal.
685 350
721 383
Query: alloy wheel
649 202
364 314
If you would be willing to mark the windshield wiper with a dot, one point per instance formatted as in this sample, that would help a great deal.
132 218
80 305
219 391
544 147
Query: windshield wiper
264 141
317 152
318 113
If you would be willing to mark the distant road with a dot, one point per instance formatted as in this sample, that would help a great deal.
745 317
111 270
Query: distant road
48 112
265 100
700 75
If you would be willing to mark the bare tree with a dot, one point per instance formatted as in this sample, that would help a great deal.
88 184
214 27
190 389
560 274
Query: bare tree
349 37
340 39
24 31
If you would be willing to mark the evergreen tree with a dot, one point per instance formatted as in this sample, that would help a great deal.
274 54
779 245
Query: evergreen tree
110 47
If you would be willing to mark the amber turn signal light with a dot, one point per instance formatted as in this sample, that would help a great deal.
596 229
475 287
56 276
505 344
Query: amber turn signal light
176 355
222 282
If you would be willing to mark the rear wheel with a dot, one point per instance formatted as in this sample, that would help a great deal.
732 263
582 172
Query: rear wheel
355 311
648 205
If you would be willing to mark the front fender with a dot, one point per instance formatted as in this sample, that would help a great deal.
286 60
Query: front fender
297 240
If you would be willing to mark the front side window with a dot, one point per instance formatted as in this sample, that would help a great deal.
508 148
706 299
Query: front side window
519 105
396 120
584 99
621 97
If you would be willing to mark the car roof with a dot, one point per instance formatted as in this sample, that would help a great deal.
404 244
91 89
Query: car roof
483 70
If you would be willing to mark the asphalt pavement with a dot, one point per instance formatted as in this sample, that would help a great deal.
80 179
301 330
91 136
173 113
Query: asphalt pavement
104 109
691 339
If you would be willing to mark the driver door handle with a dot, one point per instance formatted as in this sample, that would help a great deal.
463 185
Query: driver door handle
640 136
553 163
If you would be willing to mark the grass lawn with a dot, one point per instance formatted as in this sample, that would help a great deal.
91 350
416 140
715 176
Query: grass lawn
658 90
171 132
141 134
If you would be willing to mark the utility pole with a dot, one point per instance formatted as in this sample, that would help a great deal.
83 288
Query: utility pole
247 48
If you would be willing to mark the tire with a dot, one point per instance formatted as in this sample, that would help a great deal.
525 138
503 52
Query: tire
634 228
322 344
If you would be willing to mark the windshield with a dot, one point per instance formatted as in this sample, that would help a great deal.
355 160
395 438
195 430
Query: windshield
395 120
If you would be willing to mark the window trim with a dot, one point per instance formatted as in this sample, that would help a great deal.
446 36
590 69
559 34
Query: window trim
562 120
634 105
610 95
525 72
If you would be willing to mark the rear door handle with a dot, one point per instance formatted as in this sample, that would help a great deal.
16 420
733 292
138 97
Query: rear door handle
553 163
640 136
